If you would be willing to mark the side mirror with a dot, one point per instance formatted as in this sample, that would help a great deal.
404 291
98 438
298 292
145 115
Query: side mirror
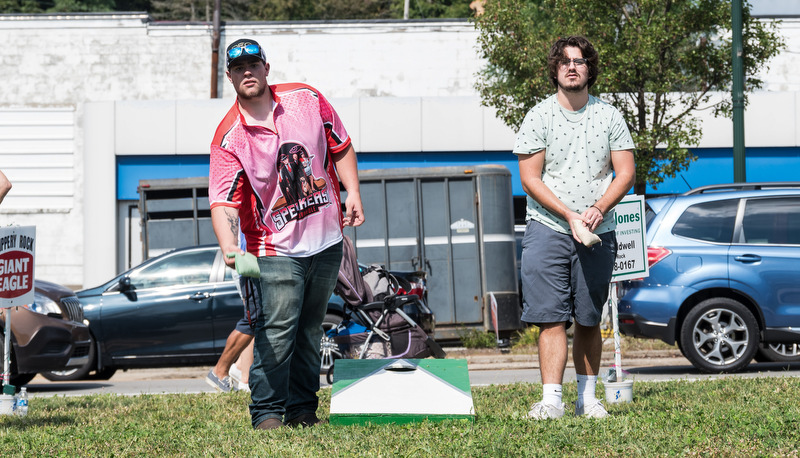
125 284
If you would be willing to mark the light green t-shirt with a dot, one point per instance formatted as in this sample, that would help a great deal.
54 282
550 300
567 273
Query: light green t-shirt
577 163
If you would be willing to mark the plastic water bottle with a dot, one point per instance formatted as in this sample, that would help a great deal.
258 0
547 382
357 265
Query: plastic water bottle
22 402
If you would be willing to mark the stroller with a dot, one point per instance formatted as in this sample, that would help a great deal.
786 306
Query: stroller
377 322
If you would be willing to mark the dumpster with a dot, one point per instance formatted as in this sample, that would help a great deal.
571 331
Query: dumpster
455 223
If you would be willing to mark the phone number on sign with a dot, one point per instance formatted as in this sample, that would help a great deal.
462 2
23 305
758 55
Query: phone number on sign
629 264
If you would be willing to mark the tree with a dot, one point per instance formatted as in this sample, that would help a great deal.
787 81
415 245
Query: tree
198 10
295 10
661 61
71 6
428 9
253 10
81 6
19 6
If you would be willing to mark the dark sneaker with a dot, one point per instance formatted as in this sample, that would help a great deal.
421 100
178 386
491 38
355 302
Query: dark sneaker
220 384
270 423
305 420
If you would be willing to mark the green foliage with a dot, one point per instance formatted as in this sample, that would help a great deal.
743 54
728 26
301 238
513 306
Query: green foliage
255 10
20 6
476 338
82 6
293 10
71 6
660 62
528 337
722 417
429 9
199 10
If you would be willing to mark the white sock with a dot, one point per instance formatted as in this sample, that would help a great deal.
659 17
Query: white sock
586 389
551 394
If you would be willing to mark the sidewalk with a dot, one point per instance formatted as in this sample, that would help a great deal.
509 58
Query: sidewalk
493 361
477 360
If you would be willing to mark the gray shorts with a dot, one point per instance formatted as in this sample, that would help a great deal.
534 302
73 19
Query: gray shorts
562 279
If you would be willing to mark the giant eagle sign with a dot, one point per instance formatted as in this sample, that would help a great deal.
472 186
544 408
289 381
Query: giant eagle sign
17 248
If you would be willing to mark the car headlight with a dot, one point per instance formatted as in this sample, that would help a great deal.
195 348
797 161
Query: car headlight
44 305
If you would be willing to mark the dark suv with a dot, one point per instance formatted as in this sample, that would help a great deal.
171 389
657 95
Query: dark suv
48 335
724 278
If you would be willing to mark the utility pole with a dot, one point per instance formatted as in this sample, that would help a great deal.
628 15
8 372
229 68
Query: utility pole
215 49
737 51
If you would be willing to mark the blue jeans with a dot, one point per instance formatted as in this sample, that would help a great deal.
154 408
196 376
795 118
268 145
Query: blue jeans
284 378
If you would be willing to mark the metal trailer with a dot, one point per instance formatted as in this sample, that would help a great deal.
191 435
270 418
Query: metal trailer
174 213
457 224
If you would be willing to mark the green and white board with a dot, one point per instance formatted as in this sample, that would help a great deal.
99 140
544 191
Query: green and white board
400 391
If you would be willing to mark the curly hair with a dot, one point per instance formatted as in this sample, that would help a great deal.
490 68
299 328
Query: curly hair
587 51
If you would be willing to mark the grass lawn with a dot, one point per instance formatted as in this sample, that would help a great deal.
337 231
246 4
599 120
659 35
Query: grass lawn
724 417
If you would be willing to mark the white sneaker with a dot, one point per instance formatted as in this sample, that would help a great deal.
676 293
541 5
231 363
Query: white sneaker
595 409
244 386
235 374
541 411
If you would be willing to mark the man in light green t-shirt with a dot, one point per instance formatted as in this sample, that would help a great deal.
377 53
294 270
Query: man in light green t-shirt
576 163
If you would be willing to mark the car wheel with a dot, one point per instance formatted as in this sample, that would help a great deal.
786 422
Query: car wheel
778 353
719 335
328 349
21 380
104 374
75 373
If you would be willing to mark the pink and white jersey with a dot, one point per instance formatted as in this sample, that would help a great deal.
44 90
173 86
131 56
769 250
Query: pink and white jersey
283 182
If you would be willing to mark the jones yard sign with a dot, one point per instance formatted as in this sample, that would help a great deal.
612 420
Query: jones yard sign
631 259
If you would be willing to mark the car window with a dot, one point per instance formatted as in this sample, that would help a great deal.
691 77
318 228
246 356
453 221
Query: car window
708 221
189 268
773 221
649 216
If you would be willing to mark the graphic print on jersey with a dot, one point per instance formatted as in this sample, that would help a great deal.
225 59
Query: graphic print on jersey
303 194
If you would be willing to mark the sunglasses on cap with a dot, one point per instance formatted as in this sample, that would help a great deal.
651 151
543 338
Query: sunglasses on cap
251 49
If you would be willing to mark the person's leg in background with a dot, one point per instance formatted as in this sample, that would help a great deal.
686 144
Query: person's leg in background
250 291
218 377
241 368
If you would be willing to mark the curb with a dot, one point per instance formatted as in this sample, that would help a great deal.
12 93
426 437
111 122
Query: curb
630 359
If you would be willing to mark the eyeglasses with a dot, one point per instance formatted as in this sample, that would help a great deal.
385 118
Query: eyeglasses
251 50
579 62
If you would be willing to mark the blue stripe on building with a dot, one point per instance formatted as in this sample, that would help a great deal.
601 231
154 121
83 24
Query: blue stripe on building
713 166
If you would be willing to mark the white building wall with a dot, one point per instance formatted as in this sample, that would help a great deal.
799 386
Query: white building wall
782 74
414 59
39 154
62 60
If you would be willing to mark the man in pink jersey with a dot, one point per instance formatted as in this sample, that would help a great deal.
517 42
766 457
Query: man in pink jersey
297 238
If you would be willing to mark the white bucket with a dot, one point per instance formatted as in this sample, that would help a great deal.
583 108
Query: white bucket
7 402
619 391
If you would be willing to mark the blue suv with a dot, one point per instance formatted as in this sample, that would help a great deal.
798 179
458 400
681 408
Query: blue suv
724 278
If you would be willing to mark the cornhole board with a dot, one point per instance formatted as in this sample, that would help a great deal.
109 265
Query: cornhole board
400 391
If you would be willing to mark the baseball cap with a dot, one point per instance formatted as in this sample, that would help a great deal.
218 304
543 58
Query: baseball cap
243 47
